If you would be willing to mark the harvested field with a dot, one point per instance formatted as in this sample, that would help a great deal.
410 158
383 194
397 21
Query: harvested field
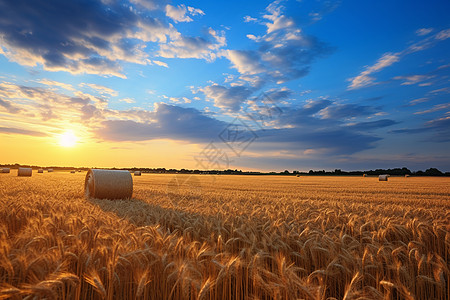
226 237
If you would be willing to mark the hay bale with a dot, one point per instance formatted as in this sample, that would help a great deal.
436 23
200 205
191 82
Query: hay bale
25 172
5 170
137 173
383 178
50 170
108 184
364 175
406 176
40 170
72 172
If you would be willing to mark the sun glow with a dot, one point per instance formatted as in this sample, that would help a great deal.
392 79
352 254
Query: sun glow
67 139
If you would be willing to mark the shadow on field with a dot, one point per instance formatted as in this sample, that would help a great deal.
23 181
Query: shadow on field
141 213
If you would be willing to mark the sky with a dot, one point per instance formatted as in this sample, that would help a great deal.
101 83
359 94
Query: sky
250 85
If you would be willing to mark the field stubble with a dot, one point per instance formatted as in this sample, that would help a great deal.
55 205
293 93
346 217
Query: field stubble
226 237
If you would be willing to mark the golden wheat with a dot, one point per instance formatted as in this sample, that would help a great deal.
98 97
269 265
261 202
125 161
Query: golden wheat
226 237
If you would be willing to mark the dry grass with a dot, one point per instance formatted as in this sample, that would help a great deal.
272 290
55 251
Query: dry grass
226 237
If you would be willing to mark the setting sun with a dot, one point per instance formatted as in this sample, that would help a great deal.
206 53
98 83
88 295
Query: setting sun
68 139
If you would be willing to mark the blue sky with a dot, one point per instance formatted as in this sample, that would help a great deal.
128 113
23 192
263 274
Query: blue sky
267 85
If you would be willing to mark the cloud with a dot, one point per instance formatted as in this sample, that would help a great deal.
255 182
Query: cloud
413 79
278 94
364 126
283 53
194 47
346 111
246 62
127 100
177 13
149 4
423 31
438 130
96 37
48 82
227 98
435 108
9 107
364 78
103 90
248 19
41 104
10 130
338 141
166 122
443 35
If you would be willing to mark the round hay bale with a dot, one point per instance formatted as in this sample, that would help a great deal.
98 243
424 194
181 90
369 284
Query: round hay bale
137 173
364 175
72 172
25 172
383 178
40 170
406 176
50 170
5 170
108 184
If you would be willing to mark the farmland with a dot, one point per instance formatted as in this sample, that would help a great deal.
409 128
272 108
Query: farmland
226 237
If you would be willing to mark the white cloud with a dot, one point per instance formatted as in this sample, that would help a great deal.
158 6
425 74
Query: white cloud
177 13
194 47
246 62
48 82
161 63
364 78
181 14
248 19
100 89
195 11
127 100
423 31
443 35
413 79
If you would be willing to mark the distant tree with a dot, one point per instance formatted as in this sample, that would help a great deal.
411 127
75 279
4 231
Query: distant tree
433 172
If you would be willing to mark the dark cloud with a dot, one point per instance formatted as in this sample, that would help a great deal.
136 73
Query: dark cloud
9 107
362 126
188 124
340 111
438 130
336 141
10 130
168 121
76 36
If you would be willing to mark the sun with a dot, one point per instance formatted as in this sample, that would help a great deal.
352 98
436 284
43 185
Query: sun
67 139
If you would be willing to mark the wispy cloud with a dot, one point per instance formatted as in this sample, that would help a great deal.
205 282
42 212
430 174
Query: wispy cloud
11 130
413 79
423 31
100 89
435 108
365 78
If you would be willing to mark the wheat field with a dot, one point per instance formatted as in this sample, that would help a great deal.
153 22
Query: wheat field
226 237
